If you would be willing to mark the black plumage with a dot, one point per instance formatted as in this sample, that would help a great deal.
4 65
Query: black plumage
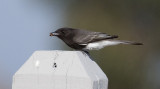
87 40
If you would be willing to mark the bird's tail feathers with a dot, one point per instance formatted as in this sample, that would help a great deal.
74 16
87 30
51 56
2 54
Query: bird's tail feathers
130 42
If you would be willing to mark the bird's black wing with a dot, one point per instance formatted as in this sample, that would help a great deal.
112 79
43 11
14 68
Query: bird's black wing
84 38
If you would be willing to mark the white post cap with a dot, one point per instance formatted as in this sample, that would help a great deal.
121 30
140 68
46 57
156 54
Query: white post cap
59 70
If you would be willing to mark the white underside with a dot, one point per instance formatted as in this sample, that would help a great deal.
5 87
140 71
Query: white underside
101 44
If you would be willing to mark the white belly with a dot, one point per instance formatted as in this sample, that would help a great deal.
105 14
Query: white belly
101 44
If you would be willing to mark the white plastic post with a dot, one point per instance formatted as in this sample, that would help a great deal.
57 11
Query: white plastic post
59 70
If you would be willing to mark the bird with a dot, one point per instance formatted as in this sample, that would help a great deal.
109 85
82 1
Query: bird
85 40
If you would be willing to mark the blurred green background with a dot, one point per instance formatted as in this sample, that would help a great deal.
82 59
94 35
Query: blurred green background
126 66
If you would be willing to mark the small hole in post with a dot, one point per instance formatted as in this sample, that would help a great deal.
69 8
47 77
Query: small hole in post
54 65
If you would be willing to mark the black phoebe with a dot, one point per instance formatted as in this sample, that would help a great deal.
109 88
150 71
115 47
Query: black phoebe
87 40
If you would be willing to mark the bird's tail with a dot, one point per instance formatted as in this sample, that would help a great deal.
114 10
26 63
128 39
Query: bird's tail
129 42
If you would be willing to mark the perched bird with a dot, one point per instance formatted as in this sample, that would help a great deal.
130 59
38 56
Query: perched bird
84 40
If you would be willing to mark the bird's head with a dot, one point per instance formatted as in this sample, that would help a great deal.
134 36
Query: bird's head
62 32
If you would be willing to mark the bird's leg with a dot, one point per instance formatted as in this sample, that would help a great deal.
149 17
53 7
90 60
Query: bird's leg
86 52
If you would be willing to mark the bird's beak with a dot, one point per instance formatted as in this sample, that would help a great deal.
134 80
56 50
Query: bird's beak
53 34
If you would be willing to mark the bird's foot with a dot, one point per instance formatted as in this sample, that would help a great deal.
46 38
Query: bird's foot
86 53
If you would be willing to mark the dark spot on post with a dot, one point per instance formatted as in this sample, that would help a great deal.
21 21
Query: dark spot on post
54 65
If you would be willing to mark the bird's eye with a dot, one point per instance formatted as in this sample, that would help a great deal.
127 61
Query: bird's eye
63 32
